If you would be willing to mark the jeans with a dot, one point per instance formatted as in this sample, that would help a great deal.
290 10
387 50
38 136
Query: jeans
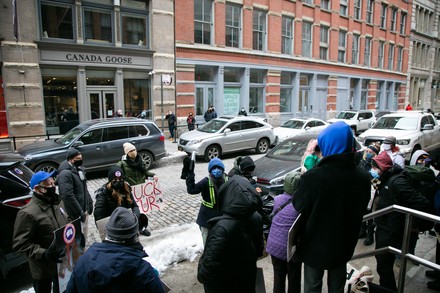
171 128
336 278
292 269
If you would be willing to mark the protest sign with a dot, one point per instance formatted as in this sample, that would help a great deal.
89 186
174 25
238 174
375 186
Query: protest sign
148 196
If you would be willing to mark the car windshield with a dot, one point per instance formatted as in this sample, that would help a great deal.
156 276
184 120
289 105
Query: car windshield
70 136
212 126
398 123
293 124
290 149
345 115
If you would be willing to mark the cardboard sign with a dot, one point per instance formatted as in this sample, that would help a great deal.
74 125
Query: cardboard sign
148 196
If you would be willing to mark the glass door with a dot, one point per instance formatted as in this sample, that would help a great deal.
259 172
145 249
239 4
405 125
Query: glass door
102 104
204 98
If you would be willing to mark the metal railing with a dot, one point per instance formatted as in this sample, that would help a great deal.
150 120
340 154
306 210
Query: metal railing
403 253
14 138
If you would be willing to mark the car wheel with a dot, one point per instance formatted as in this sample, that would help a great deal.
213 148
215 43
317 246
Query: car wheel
148 159
46 167
262 146
212 151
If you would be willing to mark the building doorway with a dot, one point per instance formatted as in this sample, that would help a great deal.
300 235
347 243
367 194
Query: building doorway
101 104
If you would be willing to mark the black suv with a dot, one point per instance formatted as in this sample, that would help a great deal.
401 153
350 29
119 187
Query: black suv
100 143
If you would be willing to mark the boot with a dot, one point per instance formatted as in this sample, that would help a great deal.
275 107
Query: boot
145 232
363 231
369 239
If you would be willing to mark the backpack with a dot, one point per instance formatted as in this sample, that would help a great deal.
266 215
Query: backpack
424 180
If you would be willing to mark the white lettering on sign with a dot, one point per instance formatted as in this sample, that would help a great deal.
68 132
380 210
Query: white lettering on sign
99 59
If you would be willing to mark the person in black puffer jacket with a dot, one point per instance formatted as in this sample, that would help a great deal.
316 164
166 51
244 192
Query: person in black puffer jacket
235 240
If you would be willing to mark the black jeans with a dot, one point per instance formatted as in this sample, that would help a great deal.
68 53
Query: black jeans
45 285
171 129
292 269
385 261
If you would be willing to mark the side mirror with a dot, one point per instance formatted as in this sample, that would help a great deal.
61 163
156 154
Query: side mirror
227 130
77 143
428 127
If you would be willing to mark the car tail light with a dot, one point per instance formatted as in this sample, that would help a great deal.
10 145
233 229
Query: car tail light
18 202
162 138
263 180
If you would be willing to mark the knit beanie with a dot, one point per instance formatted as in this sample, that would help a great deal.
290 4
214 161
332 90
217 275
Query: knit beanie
390 140
383 161
291 182
128 147
216 162
247 164
71 153
115 172
122 225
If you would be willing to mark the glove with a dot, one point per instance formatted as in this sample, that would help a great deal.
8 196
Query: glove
186 168
54 254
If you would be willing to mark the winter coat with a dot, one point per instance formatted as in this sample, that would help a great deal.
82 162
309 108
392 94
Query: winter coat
332 197
191 122
279 229
73 190
134 170
235 240
396 189
105 203
171 118
205 213
208 116
111 267
33 234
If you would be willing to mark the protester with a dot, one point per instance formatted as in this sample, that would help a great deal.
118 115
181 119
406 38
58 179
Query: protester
72 184
117 264
235 240
389 145
393 188
332 198
191 121
208 116
209 188
118 114
34 232
367 228
117 193
242 112
277 240
245 166
171 118
214 113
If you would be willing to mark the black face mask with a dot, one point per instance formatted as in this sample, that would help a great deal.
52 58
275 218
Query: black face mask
78 163
50 193
118 185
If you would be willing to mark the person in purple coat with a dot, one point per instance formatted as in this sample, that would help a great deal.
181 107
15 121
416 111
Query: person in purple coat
277 239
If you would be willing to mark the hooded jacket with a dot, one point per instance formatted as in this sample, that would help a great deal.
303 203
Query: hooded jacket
134 170
332 198
235 240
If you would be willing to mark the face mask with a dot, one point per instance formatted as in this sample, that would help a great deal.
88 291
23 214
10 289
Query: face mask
216 173
386 147
78 163
117 185
368 157
374 174
50 193
132 154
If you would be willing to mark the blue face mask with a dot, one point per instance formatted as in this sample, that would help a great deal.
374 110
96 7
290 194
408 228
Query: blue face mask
374 174
216 173
368 157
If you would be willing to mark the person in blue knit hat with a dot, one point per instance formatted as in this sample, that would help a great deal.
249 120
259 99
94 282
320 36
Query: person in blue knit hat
208 187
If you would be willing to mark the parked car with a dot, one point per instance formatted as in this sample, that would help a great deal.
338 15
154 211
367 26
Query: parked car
14 195
285 157
296 126
100 143
228 134
359 120
413 131
379 114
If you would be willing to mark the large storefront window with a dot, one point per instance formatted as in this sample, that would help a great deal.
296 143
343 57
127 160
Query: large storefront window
56 20
98 26
286 89
60 103
256 91
137 98
98 77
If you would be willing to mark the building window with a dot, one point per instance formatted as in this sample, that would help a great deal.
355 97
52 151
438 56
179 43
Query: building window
370 11
380 54
323 43
393 19
399 58
256 91
343 7
367 52
391 57
134 30
203 21
357 9
136 97
233 25
383 16
287 35
259 30
286 89
325 4
56 21
403 23
310 2
98 25
355 50
306 48
364 93
342 46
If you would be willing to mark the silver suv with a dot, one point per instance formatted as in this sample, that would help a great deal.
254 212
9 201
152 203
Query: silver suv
228 134
358 120
100 143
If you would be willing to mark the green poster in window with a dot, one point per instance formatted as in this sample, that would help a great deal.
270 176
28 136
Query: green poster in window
231 98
